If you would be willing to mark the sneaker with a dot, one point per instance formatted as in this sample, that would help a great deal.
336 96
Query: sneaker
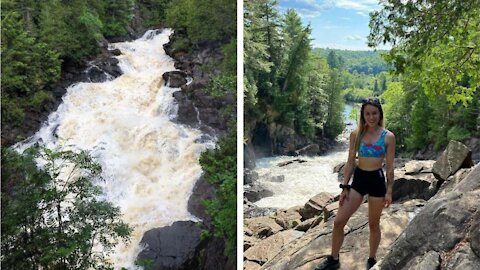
371 262
329 264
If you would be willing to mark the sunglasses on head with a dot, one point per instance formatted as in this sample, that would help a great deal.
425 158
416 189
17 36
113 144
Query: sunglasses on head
371 101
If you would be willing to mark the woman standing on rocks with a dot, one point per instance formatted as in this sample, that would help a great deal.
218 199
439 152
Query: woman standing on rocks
374 144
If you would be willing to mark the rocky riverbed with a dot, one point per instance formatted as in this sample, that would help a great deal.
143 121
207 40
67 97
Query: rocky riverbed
432 224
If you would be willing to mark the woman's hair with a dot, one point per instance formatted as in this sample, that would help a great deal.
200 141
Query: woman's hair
361 129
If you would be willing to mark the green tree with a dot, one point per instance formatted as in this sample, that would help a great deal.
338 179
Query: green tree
334 124
436 40
420 118
396 112
53 217
220 167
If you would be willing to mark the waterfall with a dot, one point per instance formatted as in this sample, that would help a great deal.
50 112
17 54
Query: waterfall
150 163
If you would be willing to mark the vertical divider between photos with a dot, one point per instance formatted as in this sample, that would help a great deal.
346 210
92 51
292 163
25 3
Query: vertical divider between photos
240 135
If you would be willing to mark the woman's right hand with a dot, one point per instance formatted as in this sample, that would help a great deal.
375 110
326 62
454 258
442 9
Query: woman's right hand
343 196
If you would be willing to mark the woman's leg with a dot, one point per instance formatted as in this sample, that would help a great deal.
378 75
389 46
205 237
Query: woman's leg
375 207
344 213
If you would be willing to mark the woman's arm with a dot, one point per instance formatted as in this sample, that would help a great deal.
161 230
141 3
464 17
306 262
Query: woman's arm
390 159
351 159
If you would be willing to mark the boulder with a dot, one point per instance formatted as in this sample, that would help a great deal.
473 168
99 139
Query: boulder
316 205
172 247
262 226
412 184
266 249
202 190
309 150
288 218
446 225
249 242
248 265
455 156
249 177
174 78
255 192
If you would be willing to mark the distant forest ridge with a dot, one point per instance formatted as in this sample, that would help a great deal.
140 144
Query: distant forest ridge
366 62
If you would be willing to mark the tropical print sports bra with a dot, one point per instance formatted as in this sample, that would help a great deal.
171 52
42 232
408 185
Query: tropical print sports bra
376 149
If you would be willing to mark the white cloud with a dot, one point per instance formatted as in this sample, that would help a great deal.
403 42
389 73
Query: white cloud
355 37
359 5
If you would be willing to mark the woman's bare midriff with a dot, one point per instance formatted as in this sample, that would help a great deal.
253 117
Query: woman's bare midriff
370 163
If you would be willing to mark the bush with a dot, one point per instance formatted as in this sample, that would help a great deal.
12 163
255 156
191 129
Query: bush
39 98
458 134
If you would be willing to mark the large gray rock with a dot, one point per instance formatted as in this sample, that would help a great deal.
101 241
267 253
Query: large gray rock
175 78
455 156
262 227
172 247
446 225
415 181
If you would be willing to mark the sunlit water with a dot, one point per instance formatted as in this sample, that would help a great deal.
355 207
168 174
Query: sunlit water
150 163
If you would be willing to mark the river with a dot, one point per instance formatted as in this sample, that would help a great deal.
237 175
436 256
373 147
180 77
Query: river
301 181
150 163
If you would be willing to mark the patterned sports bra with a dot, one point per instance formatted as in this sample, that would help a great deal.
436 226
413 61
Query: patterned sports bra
376 149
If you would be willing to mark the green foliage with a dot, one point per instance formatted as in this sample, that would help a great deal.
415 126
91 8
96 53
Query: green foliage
220 168
153 11
12 112
221 85
436 42
229 62
361 62
52 218
203 20
396 112
357 94
458 133
334 124
147 264
39 98
420 117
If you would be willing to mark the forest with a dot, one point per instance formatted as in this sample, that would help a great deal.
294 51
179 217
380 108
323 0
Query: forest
427 82
40 41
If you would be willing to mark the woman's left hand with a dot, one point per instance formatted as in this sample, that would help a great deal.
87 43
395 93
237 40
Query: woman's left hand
388 199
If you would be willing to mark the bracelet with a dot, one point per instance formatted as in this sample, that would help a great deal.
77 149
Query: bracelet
342 186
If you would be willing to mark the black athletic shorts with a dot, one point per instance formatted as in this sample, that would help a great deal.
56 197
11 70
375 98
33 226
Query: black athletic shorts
369 182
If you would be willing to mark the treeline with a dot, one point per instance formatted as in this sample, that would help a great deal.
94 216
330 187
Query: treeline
286 83
435 54
40 39
365 62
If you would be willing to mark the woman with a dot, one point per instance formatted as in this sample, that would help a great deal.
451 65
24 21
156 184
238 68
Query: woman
374 144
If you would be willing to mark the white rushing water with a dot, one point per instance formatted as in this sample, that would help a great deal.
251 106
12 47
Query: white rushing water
149 162
301 181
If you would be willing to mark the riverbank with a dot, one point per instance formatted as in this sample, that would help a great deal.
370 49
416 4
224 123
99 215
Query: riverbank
299 237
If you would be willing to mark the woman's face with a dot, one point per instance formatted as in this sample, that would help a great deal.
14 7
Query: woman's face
371 115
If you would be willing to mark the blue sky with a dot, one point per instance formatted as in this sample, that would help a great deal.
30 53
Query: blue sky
341 24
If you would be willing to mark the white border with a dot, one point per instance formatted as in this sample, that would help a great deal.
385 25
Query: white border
239 134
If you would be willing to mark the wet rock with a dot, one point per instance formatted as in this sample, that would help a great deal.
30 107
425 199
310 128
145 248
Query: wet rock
172 247
255 192
202 190
285 163
175 78
249 177
309 150
455 156
116 52
248 157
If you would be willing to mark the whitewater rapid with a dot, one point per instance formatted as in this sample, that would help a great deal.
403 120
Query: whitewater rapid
150 163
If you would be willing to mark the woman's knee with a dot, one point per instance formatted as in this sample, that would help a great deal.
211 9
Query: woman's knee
339 222
374 226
